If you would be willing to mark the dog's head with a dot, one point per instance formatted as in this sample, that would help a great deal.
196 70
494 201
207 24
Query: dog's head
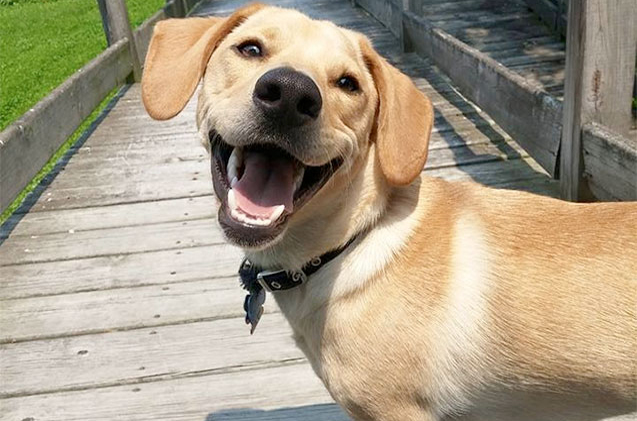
290 108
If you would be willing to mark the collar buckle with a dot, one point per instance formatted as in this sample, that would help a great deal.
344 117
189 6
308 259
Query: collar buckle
280 280
267 284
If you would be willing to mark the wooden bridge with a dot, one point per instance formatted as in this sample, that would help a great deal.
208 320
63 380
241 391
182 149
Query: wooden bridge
118 296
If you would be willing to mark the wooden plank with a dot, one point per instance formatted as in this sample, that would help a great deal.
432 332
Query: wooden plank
137 356
188 179
551 12
110 241
546 10
610 163
174 9
541 51
477 35
115 21
119 271
388 12
29 142
529 114
600 70
447 6
533 60
238 396
528 42
549 74
176 149
123 309
144 32
101 217
502 11
486 21
490 173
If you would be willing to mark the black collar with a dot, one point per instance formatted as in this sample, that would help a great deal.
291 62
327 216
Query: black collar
256 281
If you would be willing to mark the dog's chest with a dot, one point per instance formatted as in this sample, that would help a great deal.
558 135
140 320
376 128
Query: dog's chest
355 349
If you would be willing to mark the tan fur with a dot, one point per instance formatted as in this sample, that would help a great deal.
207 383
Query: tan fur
179 50
457 301
402 142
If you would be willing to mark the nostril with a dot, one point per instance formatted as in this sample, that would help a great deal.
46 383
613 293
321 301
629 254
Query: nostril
287 97
269 92
308 106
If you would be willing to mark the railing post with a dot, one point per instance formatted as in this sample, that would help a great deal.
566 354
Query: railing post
415 6
175 8
601 44
117 26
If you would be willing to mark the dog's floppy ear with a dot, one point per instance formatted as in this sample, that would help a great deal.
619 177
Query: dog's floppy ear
404 119
177 57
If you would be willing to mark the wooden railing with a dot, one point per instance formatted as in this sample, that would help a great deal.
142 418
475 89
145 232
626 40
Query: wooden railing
30 141
584 140
601 46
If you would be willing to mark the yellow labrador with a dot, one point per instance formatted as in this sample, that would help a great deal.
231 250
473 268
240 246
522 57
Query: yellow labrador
413 298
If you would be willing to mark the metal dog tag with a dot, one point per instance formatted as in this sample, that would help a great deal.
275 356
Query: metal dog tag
253 306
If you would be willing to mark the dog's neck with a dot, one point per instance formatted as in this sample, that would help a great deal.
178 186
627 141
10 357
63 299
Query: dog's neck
357 265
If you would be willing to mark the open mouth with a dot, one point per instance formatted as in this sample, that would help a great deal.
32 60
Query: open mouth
260 187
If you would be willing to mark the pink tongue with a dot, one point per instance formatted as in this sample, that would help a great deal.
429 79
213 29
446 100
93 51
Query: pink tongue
267 182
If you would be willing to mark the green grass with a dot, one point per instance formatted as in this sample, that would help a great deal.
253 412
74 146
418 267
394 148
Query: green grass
42 43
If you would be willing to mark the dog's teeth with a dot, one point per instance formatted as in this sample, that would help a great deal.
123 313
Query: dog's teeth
238 215
233 182
277 213
298 180
232 201
232 173
243 218
234 163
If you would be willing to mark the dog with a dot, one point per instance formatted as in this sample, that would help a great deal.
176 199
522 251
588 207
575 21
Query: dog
412 297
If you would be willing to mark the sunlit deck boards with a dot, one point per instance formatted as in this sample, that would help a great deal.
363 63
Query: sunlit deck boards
507 31
118 299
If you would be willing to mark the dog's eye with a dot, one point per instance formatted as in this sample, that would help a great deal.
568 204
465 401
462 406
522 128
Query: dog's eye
347 83
250 49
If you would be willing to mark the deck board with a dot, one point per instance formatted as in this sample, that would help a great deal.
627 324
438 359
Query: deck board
118 271
508 32
235 395
117 263
95 360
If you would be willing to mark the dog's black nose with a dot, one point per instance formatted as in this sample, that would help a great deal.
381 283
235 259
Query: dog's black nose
288 96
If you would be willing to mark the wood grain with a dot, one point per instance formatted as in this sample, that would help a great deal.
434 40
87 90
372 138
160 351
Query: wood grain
600 71
121 309
119 271
610 163
288 392
95 360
